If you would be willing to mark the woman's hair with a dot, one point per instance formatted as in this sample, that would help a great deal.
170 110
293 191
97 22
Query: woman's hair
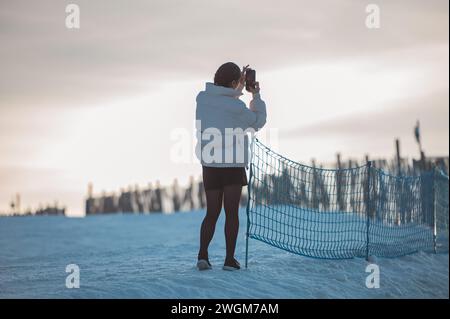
226 74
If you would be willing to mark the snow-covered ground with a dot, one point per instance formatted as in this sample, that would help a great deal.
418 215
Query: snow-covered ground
153 256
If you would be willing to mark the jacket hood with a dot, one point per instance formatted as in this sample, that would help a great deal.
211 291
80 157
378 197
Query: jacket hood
211 88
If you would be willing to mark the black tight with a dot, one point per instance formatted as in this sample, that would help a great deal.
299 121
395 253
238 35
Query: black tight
230 195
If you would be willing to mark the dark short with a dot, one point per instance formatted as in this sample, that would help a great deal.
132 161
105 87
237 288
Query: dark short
219 177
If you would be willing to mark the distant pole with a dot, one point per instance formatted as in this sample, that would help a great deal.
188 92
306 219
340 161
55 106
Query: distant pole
433 199
339 182
90 190
314 185
12 205
369 164
397 147
423 160
417 134
18 203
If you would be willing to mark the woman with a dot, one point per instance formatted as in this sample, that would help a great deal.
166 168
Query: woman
219 112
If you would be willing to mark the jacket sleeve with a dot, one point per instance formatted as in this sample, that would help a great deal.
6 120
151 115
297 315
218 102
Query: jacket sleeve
254 116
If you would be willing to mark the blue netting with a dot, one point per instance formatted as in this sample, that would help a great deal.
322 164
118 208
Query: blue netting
343 213
441 210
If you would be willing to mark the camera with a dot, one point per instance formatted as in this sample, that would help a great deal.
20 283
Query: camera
250 79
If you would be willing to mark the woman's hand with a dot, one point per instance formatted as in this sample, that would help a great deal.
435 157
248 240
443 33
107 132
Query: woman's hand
255 90
242 78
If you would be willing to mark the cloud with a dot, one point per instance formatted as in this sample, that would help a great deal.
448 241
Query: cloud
123 48
397 119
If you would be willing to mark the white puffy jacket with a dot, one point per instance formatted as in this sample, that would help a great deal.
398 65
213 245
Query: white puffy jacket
222 122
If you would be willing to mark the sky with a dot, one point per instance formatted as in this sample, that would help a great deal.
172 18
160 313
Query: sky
113 102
